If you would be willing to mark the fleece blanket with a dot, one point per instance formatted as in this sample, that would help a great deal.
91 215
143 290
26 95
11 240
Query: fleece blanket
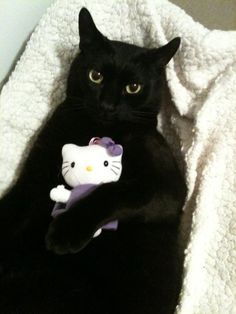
200 124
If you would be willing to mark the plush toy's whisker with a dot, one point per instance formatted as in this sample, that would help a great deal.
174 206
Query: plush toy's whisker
64 174
116 161
113 166
114 171
65 162
66 166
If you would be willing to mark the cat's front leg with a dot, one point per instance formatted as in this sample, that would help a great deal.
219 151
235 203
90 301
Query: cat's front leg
68 233
71 231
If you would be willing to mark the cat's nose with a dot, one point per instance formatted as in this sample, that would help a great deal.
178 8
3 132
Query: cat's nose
108 106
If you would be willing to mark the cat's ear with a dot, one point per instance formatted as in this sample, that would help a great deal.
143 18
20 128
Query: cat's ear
88 32
167 52
161 56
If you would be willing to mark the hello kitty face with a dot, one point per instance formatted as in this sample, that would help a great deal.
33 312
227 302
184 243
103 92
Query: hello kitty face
92 164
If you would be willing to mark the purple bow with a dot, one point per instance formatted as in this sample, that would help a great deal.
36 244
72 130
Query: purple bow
112 148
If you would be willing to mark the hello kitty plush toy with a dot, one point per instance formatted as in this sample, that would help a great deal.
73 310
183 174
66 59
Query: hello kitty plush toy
84 168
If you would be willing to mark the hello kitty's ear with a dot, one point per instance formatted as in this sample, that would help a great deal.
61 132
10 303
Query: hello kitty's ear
67 149
94 140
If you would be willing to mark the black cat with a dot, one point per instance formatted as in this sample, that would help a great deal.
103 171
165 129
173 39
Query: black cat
116 90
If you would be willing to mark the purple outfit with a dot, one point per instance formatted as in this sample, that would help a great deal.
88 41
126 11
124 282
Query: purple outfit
77 193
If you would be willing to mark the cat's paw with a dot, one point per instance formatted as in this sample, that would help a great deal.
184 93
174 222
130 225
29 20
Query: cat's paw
62 239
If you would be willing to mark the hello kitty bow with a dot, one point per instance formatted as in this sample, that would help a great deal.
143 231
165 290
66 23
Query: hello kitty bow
112 148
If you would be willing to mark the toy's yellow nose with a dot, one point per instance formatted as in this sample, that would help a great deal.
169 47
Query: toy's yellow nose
89 168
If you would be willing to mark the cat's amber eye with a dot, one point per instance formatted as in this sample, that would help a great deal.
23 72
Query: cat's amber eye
95 77
133 88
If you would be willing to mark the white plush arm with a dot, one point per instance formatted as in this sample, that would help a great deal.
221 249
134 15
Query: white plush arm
60 194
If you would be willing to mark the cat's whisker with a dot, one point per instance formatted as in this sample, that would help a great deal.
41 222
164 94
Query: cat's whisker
74 97
144 112
138 119
72 109
144 115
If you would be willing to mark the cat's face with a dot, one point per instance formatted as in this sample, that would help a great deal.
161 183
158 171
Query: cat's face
89 165
118 81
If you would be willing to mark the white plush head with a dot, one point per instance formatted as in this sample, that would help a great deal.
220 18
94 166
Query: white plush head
92 164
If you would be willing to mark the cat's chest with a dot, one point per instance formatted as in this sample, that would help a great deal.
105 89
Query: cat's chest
83 130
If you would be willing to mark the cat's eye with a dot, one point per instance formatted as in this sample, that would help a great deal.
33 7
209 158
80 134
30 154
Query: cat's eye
105 163
95 77
133 88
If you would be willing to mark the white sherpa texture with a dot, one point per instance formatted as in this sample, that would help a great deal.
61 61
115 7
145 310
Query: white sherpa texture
202 80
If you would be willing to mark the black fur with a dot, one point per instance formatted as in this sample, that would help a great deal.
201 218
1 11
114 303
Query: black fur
136 269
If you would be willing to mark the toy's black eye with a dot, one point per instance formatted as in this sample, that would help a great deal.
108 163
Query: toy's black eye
72 164
105 163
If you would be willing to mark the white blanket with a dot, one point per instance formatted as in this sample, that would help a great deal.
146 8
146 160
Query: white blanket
202 80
